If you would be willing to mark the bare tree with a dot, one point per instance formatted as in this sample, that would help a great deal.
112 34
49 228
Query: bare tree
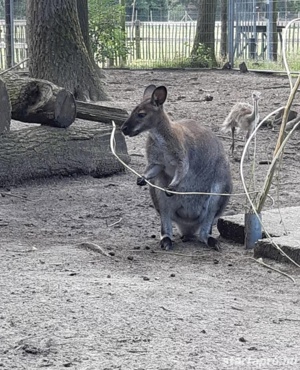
204 43
57 50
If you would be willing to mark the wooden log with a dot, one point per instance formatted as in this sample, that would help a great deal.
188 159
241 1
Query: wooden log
100 113
5 108
39 101
42 151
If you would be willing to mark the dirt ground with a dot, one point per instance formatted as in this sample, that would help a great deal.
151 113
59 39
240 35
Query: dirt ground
139 308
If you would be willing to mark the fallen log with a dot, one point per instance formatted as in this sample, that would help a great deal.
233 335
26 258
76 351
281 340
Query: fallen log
39 101
100 113
42 151
5 108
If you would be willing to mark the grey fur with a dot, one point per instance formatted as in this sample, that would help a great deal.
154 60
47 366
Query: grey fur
186 157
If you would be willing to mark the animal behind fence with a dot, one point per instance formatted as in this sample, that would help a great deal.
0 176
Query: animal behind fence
183 156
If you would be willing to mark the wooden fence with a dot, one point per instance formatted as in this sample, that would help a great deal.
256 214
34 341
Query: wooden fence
166 42
163 43
20 44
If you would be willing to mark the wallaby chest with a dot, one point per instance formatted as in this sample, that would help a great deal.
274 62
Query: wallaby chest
163 153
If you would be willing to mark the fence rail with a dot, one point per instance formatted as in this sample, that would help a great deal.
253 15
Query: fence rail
150 43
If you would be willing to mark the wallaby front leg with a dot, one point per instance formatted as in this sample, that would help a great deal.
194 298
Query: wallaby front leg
151 171
180 172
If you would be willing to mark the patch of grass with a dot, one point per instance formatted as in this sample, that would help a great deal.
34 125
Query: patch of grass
292 59
175 63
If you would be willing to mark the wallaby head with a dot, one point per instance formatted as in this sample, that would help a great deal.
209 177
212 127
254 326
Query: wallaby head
148 114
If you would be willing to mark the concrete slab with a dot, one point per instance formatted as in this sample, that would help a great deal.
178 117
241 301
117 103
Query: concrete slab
283 225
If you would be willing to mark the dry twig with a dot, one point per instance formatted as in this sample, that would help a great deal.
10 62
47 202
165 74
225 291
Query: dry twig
94 247
260 261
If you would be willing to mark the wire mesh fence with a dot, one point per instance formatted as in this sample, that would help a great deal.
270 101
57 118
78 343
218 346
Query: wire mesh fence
250 30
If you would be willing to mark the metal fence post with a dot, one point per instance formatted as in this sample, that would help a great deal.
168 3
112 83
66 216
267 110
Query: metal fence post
9 33
138 39
231 32
270 31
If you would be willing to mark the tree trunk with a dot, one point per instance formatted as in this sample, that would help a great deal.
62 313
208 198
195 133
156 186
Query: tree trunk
57 50
100 113
40 152
5 108
39 101
203 52
83 16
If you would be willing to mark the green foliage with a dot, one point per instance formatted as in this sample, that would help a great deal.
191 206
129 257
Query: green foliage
202 58
266 65
106 27
158 8
19 9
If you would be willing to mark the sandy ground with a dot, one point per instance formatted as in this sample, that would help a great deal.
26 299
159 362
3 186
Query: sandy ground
139 308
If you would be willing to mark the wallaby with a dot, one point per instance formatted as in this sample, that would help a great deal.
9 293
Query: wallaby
182 156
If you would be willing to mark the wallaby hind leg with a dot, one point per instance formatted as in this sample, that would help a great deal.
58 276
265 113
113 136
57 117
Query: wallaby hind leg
166 229
166 232
214 208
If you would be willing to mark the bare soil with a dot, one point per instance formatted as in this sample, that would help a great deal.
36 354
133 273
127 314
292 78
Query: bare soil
63 305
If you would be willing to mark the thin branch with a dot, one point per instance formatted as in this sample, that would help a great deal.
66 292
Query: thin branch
169 253
94 247
260 261
115 223
14 66
14 196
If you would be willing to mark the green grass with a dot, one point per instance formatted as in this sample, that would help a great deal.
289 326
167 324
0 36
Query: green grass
292 60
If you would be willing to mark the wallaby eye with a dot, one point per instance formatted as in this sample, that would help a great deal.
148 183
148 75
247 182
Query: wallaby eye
141 115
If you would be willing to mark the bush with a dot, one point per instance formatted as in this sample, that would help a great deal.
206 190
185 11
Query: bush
107 33
202 57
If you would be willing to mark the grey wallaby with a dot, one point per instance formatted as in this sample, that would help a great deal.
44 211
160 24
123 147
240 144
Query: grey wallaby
182 156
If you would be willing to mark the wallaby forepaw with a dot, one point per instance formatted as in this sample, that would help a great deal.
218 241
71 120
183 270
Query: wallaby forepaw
168 194
166 244
213 244
141 181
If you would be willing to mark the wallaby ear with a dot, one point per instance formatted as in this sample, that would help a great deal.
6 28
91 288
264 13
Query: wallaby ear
148 91
159 95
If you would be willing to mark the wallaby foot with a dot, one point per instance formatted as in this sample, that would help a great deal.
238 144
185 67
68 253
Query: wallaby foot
213 243
141 181
166 243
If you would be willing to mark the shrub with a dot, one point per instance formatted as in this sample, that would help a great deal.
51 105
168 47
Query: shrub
107 33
